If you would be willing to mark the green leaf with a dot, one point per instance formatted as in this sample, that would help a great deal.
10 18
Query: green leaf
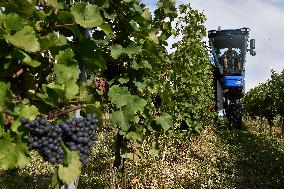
133 49
119 95
71 169
52 40
13 22
66 69
67 72
116 51
71 90
25 39
26 111
56 4
12 155
24 8
53 94
2 124
140 86
86 15
106 28
55 179
143 64
135 136
68 21
5 96
134 105
120 120
90 55
20 55
123 80
58 88
165 120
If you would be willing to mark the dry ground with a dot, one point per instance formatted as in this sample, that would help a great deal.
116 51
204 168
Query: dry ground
220 157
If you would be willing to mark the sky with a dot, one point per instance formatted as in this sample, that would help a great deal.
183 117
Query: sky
265 18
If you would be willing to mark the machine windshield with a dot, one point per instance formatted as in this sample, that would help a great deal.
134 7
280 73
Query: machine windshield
229 52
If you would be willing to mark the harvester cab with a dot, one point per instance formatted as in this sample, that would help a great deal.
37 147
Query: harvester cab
229 49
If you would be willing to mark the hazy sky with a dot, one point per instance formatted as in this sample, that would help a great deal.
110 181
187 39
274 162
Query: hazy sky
265 18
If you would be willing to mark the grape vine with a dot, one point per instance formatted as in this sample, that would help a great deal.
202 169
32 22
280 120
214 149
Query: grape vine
266 100
44 45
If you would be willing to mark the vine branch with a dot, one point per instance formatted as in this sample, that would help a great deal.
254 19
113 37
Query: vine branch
65 111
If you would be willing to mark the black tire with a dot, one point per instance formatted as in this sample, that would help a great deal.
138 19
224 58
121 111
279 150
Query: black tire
234 113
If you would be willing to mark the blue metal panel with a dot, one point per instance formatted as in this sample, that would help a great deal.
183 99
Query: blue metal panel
233 81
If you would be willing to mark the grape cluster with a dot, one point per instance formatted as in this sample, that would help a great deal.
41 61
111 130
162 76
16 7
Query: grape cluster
78 134
45 138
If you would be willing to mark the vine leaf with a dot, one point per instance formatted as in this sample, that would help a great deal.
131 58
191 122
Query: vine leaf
123 80
55 4
133 49
52 40
26 111
55 179
86 15
106 28
21 55
12 155
71 169
2 123
5 96
90 55
165 120
67 18
119 118
143 64
25 39
116 51
71 90
140 86
13 22
23 8
67 72
134 105
119 95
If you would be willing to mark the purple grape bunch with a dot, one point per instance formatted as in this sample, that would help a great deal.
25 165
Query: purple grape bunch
78 134
45 138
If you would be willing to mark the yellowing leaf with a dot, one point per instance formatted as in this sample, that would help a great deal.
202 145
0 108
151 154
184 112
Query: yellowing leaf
71 171
25 39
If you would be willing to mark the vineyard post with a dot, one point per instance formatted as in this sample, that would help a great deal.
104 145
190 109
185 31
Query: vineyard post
282 126
82 78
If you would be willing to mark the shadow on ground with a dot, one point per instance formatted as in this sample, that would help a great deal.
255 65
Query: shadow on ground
12 179
258 160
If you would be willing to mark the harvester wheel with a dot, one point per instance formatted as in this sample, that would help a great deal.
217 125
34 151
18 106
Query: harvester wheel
234 114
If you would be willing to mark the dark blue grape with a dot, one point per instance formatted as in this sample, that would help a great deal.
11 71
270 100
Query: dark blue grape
42 121
24 120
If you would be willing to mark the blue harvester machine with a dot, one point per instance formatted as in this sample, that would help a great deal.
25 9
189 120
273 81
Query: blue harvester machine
228 48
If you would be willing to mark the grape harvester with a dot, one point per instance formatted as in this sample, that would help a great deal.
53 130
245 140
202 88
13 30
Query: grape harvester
228 55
